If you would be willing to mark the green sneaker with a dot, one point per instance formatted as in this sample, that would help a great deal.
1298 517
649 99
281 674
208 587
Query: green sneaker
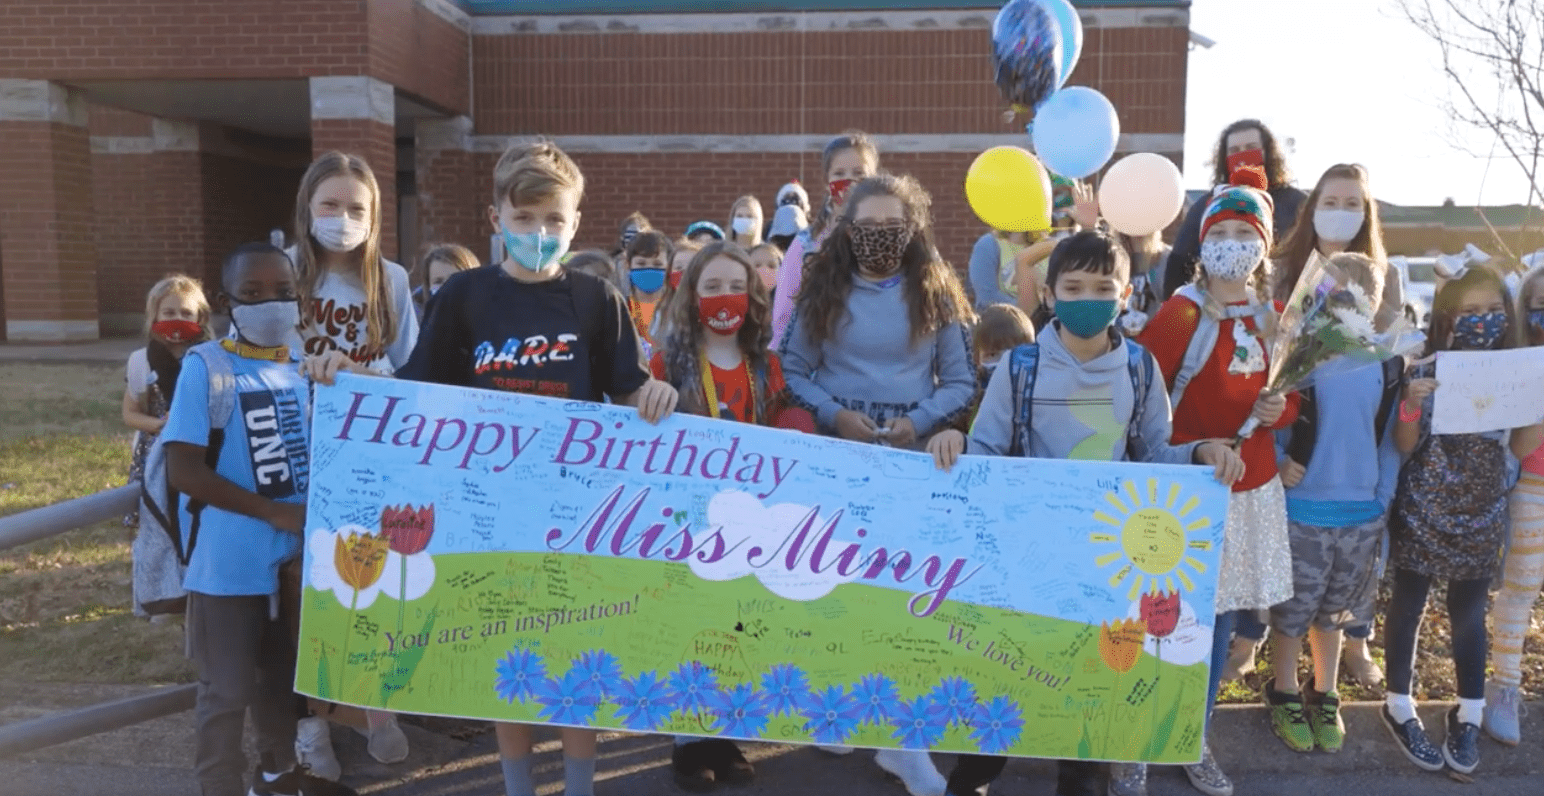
1288 719
1329 731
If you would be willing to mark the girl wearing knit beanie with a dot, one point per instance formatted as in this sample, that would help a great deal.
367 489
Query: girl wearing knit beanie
1210 342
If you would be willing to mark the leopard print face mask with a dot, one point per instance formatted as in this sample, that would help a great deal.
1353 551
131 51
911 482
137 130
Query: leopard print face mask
879 247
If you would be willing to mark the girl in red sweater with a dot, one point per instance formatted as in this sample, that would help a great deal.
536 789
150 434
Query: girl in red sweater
1210 340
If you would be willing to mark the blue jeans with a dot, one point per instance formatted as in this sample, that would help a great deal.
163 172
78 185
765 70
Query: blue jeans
1249 626
1222 639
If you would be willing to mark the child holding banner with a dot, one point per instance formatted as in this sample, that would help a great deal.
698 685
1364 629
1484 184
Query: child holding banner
716 357
532 326
1449 520
248 492
1524 572
1081 356
877 349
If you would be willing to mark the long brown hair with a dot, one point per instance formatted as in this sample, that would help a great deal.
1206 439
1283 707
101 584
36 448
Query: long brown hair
457 256
1275 163
753 205
1449 299
1293 252
380 314
684 339
934 294
852 139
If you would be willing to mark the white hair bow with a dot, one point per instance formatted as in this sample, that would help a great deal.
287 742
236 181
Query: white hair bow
1454 266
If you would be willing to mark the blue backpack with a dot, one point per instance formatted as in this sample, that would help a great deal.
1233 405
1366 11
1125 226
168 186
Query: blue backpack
1024 367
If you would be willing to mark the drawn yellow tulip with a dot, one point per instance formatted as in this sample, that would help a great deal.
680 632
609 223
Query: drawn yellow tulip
360 559
1120 644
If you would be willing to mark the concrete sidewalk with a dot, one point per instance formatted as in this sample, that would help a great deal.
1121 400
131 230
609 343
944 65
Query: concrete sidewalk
452 758
112 350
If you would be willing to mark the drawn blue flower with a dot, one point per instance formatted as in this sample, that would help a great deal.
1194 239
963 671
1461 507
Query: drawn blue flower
602 669
519 672
741 709
643 703
957 697
786 687
996 725
919 723
571 700
692 685
876 696
831 715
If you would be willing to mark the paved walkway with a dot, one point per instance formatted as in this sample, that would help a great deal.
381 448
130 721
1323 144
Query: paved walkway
452 758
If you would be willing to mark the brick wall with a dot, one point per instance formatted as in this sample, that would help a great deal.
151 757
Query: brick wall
779 83
49 274
417 51
242 201
148 213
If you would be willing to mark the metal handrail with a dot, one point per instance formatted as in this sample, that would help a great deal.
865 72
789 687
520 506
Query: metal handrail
56 728
41 523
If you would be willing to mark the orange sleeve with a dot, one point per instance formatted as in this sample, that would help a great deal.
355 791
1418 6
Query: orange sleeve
1169 333
657 365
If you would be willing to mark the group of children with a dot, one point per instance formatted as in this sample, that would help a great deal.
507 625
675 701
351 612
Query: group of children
863 332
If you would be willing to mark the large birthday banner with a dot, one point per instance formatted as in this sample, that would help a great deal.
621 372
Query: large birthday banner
517 558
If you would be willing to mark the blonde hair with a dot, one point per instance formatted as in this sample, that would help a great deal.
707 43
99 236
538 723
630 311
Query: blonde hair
380 316
752 204
454 254
178 285
534 172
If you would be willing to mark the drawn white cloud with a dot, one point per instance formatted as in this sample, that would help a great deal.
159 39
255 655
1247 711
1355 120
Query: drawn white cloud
1189 643
745 524
322 544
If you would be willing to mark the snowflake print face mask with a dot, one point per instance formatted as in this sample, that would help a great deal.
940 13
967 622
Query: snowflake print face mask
878 248
1231 260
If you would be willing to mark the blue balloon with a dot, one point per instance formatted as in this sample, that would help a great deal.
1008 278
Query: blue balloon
1075 132
1026 53
1071 27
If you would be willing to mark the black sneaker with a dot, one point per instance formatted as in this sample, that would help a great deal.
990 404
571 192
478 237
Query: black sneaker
1413 742
1462 747
296 782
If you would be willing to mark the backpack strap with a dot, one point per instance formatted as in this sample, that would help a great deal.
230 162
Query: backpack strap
1140 366
1023 368
1304 434
1202 342
222 404
1393 384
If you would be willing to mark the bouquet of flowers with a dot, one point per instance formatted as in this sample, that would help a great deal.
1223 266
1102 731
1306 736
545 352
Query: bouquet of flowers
1326 328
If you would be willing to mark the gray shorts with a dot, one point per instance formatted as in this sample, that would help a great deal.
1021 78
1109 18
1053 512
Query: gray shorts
1333 577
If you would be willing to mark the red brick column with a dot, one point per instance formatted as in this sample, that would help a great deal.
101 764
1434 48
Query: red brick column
453 194
47 246
357 115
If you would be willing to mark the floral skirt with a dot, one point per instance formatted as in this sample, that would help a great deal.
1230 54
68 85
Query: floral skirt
1256 551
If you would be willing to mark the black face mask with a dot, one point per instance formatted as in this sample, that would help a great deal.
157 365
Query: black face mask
166 366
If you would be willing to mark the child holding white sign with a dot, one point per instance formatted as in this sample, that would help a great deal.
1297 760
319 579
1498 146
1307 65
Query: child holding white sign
1448 521
1524 569
532 326
1099 397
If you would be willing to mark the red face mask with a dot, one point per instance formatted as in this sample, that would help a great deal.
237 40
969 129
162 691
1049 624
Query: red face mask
724 314
840 189
1249 157
675 279
177 332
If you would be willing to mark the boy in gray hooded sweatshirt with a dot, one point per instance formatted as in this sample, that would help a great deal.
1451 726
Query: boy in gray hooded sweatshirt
1081 392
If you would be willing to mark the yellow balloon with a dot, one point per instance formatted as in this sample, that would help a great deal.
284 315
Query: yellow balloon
1009 190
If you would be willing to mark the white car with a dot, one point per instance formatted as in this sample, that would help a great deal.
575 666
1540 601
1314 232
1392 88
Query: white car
1419 277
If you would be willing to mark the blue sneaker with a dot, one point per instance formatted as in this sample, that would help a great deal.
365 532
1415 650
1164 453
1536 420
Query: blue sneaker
1461 750
1413 742
1503 705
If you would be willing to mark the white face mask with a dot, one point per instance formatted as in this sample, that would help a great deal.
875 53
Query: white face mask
743 225
1231 260
266 323
339 234
1337 226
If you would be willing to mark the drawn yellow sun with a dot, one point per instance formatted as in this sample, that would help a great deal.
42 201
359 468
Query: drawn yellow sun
1154 538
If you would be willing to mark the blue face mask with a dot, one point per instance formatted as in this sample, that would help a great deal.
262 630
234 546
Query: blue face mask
1087 318
648 280
1479 332
533 250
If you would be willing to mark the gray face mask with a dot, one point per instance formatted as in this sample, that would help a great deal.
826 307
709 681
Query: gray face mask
266 323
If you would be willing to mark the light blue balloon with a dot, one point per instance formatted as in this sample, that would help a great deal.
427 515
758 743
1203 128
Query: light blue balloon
1075 132
1071 27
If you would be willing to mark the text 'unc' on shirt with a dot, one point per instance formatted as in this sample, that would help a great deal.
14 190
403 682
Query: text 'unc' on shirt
276 443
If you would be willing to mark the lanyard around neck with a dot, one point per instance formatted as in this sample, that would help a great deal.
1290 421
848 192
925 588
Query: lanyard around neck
710 391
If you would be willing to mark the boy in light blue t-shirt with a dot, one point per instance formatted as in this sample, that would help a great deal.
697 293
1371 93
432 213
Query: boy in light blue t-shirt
252 495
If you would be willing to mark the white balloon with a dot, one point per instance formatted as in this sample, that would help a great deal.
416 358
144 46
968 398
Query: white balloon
1141 194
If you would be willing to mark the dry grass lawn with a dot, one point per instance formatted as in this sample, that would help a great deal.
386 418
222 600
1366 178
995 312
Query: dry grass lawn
64 602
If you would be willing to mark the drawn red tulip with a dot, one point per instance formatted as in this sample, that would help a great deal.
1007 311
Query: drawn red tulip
407 529
1160 612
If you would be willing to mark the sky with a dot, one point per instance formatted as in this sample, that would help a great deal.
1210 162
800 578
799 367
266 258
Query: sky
1348 81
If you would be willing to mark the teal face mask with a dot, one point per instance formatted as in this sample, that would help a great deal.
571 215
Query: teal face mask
1087 318
533 250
